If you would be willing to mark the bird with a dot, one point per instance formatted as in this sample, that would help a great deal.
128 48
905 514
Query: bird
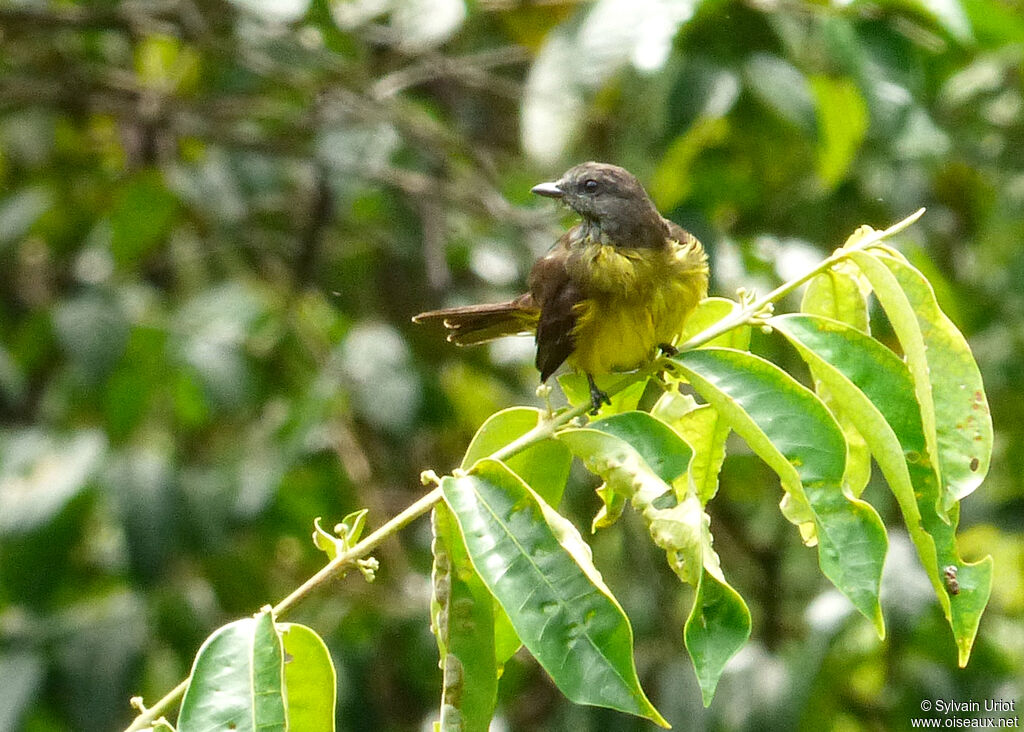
613 290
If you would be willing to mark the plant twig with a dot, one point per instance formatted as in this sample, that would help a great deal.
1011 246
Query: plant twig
757 306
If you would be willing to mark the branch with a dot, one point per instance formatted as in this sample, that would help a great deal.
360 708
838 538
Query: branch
757 307
470 69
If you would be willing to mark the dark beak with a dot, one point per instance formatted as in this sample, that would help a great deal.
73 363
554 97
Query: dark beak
550 190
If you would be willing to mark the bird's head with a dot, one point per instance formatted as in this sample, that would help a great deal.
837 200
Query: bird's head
611 199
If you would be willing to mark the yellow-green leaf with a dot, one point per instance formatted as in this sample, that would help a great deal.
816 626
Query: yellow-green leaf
795 434
840 293
947 383
842 124
877 389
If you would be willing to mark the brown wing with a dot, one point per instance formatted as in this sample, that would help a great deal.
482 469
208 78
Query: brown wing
557 297
684 237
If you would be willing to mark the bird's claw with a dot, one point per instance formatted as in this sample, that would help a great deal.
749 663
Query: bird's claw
597 397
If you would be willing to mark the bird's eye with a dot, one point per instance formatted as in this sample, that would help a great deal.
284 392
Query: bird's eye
590 185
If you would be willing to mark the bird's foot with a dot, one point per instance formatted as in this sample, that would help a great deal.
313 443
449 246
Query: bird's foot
597 397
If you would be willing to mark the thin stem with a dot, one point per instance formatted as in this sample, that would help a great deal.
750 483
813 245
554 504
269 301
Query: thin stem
342 562
328 572
744 315
545 429
151 714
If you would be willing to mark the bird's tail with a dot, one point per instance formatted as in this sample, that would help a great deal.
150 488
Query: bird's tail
473 324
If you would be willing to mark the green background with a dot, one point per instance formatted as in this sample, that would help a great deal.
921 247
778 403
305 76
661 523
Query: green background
216 220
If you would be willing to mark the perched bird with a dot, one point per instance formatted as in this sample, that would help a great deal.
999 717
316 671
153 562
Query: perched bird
609 293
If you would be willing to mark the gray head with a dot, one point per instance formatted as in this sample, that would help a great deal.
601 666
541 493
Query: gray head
611 199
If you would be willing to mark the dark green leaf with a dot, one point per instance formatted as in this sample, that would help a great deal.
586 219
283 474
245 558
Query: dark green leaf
658 446
537 566
545 468
701 426
639 456
142 216
237 680
717 627
840 293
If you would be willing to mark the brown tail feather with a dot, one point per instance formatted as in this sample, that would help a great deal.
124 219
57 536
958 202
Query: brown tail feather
473 324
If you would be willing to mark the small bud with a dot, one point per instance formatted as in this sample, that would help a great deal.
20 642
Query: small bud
368 567
429 477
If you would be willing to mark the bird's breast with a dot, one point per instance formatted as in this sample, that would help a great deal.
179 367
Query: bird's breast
603 270
633 300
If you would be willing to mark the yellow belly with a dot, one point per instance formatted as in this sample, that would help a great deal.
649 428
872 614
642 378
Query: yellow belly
635 301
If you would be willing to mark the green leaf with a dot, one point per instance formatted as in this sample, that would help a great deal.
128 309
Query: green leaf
544 466
577 391
237 680
537 566
876 386
638 456
840 293
325 541
717 627
142 216
782 88
661 449
346 534
701 426
607 450
704 429
842 125
672 183
993 22
309 678
946 375
462 618
709 311
795 434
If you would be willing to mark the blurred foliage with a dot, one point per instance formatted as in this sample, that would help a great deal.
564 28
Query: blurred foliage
216 219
